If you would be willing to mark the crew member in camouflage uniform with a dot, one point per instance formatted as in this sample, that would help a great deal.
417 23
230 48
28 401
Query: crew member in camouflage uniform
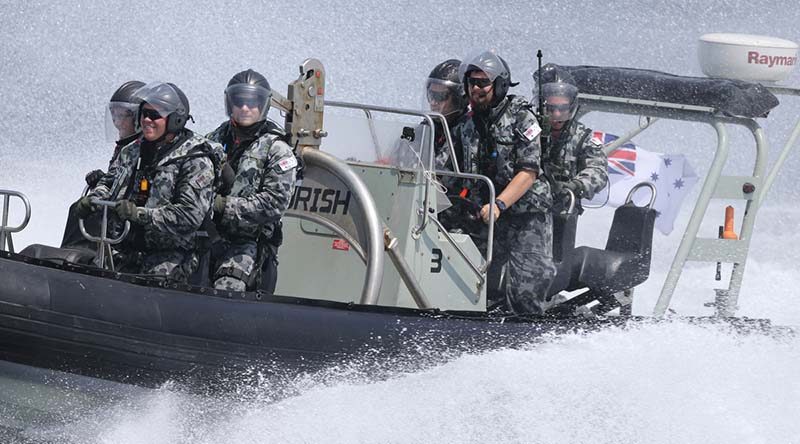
445 94
501 140
163 184
120 126
573 158
248 215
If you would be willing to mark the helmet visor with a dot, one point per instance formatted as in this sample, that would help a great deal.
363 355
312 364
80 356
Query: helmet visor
442 96
161 96
486 61
247 104
120 120
560 101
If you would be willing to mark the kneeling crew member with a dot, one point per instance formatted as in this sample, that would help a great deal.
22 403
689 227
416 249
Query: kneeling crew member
248 215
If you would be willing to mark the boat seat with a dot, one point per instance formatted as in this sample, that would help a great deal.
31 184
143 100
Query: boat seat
623 264
46 252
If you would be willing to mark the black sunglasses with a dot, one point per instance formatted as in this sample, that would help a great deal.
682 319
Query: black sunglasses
562 108
438 96
480 82
251 102
151 114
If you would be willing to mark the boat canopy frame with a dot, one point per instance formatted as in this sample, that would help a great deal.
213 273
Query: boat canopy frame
752 189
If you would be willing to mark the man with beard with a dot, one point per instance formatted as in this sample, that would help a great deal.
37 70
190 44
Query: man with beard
263 166
500 139
163 184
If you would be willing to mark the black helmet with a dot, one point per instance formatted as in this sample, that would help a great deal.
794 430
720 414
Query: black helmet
125 92
248 88
495 67
168 100
446 75
121 111
557 82
552 73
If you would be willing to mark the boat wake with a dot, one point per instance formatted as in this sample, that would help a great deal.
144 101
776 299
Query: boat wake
655 382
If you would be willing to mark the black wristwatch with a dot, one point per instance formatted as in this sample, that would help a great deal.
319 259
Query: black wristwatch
500 205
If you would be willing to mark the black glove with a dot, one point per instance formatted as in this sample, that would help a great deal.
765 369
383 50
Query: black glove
126 210
93 177
84 207
228 177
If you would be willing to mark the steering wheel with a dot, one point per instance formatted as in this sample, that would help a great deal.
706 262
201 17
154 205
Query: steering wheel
464 215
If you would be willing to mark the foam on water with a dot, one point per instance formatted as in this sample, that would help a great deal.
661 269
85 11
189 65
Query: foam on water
671 382
657 383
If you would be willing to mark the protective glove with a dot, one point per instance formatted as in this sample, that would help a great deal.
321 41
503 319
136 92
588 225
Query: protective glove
219 207
84 207
93 177
228 177
126 210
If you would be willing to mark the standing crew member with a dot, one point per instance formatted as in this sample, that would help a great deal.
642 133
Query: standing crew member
500 139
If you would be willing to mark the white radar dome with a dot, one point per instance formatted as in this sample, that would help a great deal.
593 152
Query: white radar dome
753 58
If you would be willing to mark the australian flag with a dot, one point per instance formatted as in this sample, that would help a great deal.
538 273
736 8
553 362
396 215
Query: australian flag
623 159
630 165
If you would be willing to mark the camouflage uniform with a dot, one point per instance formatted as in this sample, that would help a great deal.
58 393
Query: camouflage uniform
181 194
576 154
263 186
500 146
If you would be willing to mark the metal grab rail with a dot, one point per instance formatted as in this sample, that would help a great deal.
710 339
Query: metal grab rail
373 229
103 241
480 271
635 188
367 109
5 230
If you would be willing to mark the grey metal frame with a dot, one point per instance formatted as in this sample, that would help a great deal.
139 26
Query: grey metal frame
5 230
428 117
714 186
104 242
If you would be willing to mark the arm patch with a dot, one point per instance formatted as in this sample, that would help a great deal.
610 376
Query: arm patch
532 131
286 164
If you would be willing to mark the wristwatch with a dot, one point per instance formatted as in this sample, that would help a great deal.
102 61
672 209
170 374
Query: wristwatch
500 205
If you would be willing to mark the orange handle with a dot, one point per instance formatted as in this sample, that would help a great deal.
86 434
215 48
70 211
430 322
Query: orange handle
728 233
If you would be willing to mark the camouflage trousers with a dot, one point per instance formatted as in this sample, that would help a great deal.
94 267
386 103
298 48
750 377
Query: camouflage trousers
235 265
523 259
176 265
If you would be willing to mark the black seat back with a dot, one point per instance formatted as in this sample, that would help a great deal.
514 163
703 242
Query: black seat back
632 230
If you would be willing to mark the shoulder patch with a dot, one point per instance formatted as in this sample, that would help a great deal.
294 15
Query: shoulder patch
287 164
202 180
532 131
